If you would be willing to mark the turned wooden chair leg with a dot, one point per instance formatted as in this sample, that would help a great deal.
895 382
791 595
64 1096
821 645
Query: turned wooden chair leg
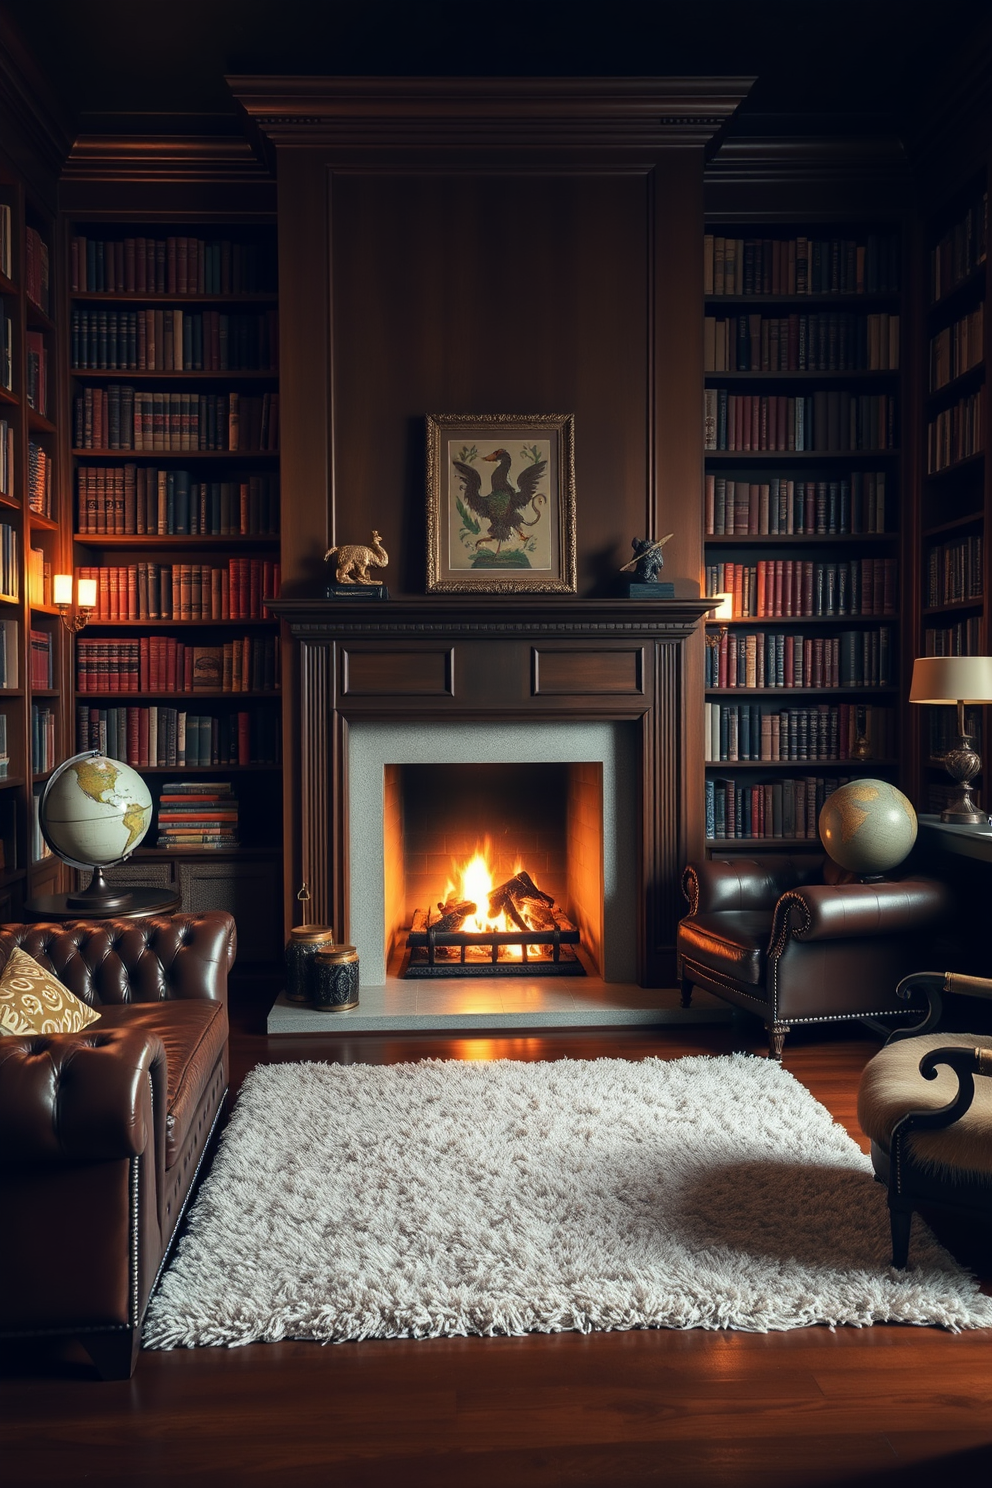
776 1040
687 986
901 1222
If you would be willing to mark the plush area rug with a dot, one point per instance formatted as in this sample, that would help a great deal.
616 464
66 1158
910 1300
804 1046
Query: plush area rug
418 1200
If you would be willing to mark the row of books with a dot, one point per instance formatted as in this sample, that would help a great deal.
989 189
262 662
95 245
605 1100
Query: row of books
6 241
184 591
126 499
954 571
152 737
42 660
957 348
852 504
777 587
775 659
174 341
961 250
10 669
801 265
37 275
6 458
177 264
10 573
831 341
117 417
6 352
42 738
830 421
165 664
956 432
788 809
37 372
964 638
747 732
201 813
40 467
37 846
39 577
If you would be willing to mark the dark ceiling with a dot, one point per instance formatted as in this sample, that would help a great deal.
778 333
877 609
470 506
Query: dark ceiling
809 56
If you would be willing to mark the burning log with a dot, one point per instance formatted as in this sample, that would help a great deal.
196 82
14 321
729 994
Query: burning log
519 896
454 912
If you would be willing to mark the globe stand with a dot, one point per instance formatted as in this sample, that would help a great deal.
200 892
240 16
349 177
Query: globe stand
98 898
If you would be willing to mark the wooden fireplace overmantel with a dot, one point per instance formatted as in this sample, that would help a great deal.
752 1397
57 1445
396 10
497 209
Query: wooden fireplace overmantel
462 657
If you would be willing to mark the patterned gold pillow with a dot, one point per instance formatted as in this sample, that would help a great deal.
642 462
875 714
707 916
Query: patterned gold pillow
33 1000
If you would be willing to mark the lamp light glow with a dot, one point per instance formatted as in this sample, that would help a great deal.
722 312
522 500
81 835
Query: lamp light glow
956 680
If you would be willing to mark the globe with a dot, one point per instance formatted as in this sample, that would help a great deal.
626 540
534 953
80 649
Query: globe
94 810
867 826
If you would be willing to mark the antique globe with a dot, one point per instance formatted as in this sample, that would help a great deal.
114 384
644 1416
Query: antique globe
867 827
93 813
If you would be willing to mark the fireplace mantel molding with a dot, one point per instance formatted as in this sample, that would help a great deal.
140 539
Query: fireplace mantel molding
485 658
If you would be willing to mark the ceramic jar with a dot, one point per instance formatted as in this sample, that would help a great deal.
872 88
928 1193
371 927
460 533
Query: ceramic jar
301 948
335 978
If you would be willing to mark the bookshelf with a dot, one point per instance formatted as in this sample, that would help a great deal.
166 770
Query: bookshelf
802 356
172 345
32 652
954 503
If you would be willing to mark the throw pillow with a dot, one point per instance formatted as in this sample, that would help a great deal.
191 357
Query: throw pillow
33 1000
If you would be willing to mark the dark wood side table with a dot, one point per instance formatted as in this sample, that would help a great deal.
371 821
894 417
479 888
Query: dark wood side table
144 901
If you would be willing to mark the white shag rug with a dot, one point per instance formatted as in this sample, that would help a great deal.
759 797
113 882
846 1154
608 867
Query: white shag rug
421 1200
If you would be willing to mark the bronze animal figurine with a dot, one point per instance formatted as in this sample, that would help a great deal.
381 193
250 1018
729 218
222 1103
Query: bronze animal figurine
354 561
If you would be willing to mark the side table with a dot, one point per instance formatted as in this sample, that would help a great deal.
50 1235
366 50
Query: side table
144 901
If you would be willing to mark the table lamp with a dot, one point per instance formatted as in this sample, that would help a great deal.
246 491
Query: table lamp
960 680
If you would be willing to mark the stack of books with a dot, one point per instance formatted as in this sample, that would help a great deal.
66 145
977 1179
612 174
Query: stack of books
197 813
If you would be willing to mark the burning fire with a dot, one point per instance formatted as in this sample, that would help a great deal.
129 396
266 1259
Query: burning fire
476 883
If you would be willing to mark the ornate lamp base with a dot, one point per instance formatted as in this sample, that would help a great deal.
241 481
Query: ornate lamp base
963 764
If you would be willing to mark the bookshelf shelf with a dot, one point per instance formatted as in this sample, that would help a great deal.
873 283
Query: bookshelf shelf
807 376
953 604
124 298
972 377
851 457
9 398
109 374
40 425
768 844
11 782
849 299
802 539
179 540
125 698
800 766
235 457
971 519
771 694
846 621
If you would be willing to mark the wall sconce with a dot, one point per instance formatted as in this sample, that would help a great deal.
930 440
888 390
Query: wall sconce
723 609
956 680
85 601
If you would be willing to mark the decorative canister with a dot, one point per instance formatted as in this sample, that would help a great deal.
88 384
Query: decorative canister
301 948
335 978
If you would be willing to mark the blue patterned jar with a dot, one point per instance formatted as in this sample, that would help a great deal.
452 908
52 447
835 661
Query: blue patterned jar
301 948
335 978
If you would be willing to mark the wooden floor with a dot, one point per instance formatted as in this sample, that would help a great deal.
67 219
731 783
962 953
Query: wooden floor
883 1405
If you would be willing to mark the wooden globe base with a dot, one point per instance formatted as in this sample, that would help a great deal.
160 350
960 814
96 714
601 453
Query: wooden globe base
98 898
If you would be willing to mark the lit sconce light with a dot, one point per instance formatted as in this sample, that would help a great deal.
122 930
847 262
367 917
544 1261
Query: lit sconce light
723 610
74 619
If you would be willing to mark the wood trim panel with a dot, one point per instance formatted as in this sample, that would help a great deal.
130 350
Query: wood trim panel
571 672
419 672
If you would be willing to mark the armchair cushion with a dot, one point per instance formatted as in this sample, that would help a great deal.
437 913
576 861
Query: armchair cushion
892 1084
732 944
33 1000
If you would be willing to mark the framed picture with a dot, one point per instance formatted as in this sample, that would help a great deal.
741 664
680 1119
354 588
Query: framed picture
500 503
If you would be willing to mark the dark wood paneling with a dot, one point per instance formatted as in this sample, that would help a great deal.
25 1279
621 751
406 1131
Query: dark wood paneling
596 673
405 673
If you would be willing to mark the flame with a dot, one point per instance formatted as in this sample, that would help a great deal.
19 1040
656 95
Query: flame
474 880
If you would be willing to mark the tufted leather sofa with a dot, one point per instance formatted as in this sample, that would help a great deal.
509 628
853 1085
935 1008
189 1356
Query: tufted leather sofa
795 940
102 1132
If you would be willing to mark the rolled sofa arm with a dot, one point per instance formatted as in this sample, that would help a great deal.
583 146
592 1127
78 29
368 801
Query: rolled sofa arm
81 1097
742 883
853 910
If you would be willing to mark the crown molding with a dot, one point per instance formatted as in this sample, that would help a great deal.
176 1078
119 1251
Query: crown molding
783 158
34 129
468 113
162 156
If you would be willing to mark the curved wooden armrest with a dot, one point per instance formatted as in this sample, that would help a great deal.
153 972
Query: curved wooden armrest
966 1064
935 985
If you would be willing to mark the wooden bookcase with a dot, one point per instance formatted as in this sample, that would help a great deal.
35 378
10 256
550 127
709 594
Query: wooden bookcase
952 608
801 518
172 345
32 542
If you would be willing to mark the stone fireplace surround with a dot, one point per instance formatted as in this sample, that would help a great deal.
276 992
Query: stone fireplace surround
506 663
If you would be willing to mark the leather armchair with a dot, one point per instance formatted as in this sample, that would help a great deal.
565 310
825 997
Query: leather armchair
102 1132
930 1128
792 939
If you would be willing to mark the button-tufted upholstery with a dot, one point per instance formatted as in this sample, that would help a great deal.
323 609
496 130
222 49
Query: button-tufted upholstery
102 1132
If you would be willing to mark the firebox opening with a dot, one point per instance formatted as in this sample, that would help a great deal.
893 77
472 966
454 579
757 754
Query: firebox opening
541 820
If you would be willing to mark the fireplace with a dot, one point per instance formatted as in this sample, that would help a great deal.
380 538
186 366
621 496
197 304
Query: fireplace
599 689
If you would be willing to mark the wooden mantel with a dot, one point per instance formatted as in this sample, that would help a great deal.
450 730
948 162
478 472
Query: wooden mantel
512 658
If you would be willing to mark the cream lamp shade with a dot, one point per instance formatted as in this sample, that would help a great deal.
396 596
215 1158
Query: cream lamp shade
951 679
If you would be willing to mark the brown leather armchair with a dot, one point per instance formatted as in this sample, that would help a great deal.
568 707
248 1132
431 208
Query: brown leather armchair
102 1132
774 936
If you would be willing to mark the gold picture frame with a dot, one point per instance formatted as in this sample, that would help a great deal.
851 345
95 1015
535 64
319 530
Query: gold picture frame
501 503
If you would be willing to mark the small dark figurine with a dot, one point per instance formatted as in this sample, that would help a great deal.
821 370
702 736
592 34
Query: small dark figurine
648 558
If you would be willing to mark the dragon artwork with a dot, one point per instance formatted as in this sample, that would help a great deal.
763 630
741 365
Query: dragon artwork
502 506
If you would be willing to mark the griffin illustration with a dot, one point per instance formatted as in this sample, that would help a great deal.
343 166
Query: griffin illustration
504 504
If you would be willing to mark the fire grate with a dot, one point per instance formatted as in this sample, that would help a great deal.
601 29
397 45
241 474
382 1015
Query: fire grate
447 953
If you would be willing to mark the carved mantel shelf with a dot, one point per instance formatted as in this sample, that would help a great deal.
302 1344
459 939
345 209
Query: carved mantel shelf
462 657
